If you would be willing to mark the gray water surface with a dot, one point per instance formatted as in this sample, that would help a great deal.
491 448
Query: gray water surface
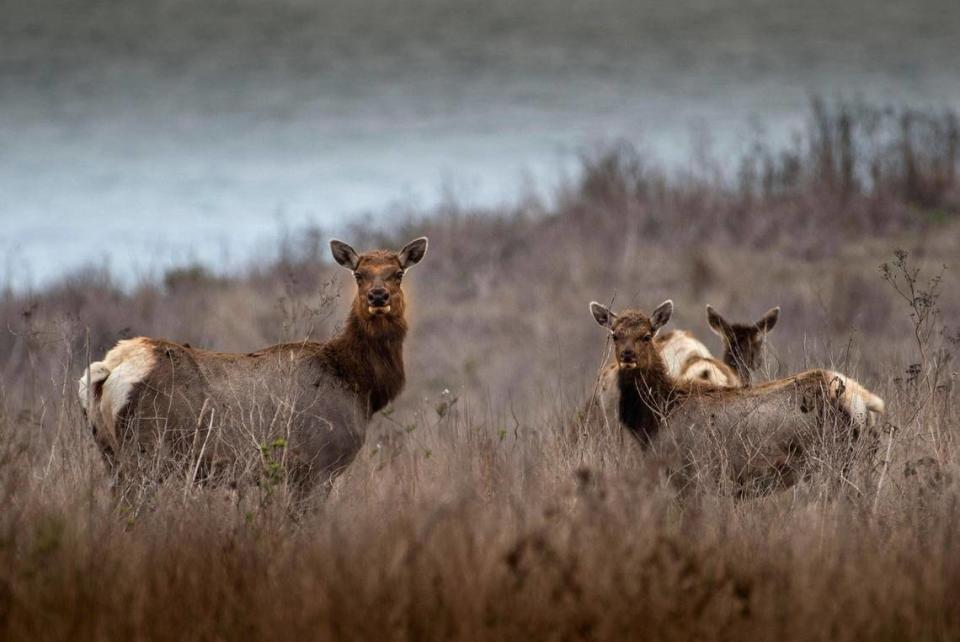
144 134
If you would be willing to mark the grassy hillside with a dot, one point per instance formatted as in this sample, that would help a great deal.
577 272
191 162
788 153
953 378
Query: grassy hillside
467 515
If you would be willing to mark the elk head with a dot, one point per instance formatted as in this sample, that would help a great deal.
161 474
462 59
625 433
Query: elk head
633 333
743 344
379 275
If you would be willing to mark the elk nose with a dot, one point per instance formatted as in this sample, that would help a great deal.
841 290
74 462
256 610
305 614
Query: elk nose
628 355
378 297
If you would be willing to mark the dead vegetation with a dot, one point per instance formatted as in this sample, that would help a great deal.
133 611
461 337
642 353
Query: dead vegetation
467 513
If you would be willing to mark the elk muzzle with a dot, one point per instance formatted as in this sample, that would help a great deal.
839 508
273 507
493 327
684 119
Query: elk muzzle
628 358
378 301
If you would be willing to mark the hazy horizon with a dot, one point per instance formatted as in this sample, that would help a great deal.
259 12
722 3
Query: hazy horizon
147 134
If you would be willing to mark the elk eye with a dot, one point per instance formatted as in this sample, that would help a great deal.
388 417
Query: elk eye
358 276
647 337
399 275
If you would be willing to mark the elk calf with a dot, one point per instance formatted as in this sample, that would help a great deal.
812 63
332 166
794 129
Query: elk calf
171 404
757 438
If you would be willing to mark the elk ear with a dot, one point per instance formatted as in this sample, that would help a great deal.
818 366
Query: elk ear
717 323
602 314
661 315
413 252
344 254
768 320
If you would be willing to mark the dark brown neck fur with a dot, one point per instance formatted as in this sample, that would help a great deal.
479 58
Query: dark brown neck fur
368 355
646 394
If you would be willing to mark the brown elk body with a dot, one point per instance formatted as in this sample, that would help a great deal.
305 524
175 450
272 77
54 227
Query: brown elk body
687 359
757 437
166 404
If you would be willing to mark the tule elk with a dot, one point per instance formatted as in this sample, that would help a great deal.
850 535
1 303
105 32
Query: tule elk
757 438
168 404
688 359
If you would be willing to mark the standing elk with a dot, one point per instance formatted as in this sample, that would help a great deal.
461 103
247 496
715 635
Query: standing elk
170 404
687 359
757 438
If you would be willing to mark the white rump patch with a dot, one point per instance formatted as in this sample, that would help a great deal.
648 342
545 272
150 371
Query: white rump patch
126 365
854 398
706 370
678 348
687 359
96 373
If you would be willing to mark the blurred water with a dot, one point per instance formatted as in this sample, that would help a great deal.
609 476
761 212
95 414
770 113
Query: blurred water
142 134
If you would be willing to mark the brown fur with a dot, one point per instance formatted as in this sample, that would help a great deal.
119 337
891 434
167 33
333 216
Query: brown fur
195 405
685 357
375 368
743 343
756 437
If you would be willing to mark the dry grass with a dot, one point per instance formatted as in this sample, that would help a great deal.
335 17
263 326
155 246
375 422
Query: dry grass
467 514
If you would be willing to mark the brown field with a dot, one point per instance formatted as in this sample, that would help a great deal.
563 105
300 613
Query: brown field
468 515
